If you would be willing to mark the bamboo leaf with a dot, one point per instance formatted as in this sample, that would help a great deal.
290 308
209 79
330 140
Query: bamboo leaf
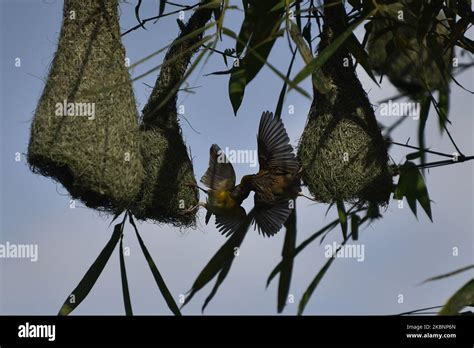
300 247
424 112
237 84
462 298
162 7
281 98
443 107
156 273
123 272
85 285
411 185
307 34
219 263
422 195
317 279
231 34
298 14
414 155
446 275
220 278
341 212
355 222
361 56
287 261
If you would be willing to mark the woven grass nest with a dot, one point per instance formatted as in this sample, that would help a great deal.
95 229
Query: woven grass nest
96 158
342 151
165 192
409 64
111 160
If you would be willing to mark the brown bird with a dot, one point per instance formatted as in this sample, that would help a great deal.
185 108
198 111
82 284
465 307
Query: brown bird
278 181
224 197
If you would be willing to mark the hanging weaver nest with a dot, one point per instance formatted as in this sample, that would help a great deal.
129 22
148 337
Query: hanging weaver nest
411 63
167 189
94 153
342 151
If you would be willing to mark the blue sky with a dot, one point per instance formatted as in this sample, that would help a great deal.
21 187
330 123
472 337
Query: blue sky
400 251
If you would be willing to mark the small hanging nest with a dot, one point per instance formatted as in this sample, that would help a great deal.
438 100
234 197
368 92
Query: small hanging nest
169 177
165 191
412 65
85 129
342 151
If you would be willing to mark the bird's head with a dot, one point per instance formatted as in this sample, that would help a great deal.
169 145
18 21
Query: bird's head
246 182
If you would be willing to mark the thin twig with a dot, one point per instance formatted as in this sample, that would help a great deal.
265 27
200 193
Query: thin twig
460 159
158 17
422 150
419 310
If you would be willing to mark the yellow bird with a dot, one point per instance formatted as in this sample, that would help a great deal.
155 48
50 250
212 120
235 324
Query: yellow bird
224 198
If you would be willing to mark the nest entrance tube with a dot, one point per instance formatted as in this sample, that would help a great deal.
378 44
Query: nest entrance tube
85 129
342 151
168 188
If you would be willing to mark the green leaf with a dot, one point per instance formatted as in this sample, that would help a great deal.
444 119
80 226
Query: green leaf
309 291
123 272
305 52
162 7
414 155
300 247
298 15
361 56
424 112
257 35
406 186
245 31
307 34
355 222
156 273
220 278
341 212
462 298
220 263
85 285
443 107
411 185
446 275
287 261
237 84
231 34
281 98
422 196
373 212
301 43
323 57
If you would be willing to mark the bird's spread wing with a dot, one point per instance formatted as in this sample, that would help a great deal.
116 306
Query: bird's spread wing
220 175
274 150
269 218
227 224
